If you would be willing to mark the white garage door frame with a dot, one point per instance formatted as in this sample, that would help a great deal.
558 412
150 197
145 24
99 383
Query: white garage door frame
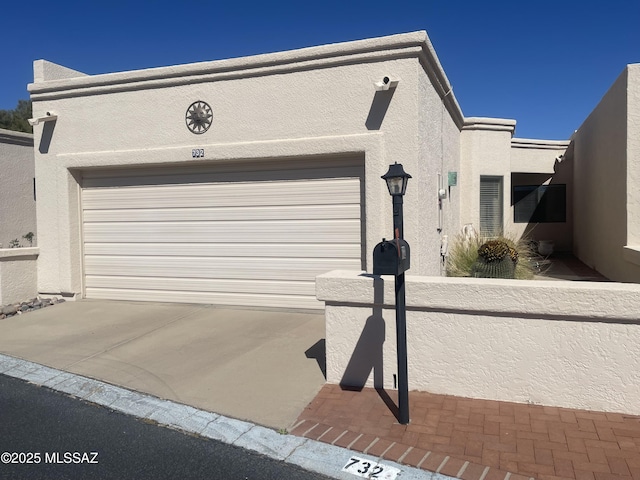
302 218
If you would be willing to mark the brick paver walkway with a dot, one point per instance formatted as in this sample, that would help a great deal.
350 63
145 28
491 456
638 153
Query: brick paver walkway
477 439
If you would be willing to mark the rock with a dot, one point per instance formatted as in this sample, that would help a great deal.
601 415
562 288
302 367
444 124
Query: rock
19 308
9 310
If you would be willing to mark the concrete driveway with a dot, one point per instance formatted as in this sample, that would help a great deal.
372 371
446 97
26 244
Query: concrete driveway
261 366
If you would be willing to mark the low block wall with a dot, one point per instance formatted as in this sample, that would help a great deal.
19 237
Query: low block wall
567 344
18 274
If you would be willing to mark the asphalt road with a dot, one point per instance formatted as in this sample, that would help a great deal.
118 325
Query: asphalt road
65 438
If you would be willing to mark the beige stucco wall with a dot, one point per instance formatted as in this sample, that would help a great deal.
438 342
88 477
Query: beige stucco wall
542 162
568 344
537 156
306 103
439 153
17 203
605 156
18 274
633 162
485 149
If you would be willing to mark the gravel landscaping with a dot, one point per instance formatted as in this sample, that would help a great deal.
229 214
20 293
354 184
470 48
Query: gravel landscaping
12 309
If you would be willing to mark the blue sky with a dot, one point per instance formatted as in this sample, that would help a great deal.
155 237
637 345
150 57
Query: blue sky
544 63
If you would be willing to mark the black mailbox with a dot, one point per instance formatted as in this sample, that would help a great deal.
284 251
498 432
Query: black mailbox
391 257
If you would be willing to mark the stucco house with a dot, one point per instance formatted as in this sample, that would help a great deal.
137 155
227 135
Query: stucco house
239 181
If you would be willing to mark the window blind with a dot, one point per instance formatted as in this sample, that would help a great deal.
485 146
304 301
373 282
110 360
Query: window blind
491 205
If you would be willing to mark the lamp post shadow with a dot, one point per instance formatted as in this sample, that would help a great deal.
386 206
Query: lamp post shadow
368 356
318 351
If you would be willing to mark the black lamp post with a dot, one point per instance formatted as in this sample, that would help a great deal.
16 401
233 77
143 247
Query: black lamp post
397 180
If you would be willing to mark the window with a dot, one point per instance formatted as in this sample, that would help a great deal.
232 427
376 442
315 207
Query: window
539 203
491 209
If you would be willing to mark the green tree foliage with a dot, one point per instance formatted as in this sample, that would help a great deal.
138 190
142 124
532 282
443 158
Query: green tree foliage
16 119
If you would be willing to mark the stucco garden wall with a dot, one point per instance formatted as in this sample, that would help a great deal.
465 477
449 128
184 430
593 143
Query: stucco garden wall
605 156
568 344
308 103
18 275
17 202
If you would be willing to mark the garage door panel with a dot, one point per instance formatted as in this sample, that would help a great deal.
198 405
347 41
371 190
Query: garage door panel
172 284
316 192
316 250
261 232
208 214
260 301
256 243
268 171
214 267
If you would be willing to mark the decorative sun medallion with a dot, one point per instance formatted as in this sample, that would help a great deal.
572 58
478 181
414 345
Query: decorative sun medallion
198 117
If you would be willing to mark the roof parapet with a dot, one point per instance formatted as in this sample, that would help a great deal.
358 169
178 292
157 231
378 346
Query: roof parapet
16 138
52 81
486 123
45 71
539 144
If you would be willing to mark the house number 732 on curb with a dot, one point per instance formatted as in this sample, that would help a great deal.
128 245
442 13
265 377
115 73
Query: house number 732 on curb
367 469
197 153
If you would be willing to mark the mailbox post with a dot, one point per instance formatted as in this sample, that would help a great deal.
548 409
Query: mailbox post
397 180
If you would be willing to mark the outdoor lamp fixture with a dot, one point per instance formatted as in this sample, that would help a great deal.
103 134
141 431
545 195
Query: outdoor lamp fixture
49 117
397 180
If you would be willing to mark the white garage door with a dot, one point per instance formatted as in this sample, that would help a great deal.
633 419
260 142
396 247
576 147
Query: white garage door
253 238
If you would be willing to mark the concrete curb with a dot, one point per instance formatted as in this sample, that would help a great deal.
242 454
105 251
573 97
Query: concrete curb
309 454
